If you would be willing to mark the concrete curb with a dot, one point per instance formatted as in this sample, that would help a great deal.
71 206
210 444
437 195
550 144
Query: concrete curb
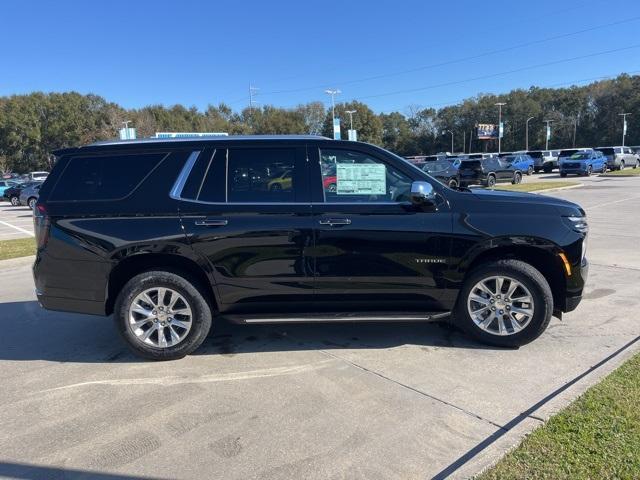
12 263
557 189
618 176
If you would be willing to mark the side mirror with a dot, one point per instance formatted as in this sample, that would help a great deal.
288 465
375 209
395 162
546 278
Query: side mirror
422 193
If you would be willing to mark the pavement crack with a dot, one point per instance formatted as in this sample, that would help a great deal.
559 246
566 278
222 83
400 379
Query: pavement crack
635 269
413 389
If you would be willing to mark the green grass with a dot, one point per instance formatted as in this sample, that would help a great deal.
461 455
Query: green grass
536 186
20 247
596 437
623 173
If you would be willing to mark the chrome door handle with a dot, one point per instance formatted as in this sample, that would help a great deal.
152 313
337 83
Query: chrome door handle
335 221
211 222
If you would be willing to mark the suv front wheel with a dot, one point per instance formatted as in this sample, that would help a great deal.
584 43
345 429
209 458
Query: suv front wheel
162 315
507 303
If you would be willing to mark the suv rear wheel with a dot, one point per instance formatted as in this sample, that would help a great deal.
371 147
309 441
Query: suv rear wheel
15 201
162 315
507 303
517 178
622 165
491 181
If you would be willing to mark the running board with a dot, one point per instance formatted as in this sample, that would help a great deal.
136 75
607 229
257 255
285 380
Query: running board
321 318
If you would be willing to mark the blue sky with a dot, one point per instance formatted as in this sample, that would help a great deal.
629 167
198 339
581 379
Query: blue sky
138 53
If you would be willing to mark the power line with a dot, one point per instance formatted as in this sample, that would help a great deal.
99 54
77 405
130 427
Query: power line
498 74
458 60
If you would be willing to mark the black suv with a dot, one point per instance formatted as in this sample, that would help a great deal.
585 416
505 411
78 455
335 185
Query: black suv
488 172
168 235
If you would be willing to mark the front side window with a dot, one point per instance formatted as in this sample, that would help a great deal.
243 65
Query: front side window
261 175
354 177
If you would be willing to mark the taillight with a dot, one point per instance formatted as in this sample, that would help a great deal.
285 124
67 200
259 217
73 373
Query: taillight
41 224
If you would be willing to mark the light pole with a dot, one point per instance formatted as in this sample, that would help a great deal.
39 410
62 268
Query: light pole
351 112
624 125
547 133
575 128
500 105
333 92
449 131
526 147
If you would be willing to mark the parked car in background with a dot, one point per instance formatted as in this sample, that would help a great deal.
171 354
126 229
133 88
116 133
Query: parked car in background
5 185
39 176
12 194
29 196
520 161
618 158
487 172
545 160
444 171
583 162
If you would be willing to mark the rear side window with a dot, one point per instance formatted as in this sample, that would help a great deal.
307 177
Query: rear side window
103 177
261 175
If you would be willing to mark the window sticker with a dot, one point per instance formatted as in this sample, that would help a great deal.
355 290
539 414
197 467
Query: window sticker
361 179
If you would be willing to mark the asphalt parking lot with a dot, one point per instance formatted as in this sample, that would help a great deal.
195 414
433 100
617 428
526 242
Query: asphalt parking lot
306 401
15 222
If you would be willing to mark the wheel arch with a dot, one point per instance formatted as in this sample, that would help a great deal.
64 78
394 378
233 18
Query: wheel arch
133 265
543 257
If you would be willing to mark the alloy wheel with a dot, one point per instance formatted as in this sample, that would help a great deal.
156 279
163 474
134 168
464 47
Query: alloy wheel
500 305
15 201
160 317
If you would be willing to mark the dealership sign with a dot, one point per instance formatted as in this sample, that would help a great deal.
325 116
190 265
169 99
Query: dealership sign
487 131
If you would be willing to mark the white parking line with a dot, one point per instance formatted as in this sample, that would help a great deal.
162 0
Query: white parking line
17 228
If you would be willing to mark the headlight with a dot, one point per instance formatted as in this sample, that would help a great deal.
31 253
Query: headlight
579 224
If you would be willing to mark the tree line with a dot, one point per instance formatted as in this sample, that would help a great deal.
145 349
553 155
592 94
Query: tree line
34 125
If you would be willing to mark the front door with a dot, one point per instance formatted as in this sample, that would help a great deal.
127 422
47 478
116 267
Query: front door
247 211
373 250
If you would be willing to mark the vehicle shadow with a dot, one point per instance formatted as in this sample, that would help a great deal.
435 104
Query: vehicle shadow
32 333
37 472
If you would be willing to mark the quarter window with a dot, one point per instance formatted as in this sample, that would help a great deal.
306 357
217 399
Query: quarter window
353 177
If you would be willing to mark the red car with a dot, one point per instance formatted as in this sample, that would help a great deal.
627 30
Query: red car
329 183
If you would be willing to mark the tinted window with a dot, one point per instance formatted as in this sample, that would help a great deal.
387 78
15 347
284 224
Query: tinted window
261 175
207 180
618 150
607 151
105 177
350 176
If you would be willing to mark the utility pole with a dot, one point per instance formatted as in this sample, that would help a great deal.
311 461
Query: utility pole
527 133
547 133
252 91
333 92
500 129
575 128
464 140
624 125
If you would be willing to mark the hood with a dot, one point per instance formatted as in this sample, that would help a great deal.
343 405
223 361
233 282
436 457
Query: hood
532 200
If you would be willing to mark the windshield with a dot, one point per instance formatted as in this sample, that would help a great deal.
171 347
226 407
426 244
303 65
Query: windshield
580 156
535 154
435 167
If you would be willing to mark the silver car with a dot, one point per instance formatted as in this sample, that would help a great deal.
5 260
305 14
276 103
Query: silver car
618 158
29 196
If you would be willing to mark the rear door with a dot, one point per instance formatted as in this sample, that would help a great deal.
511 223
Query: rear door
246 210
373 250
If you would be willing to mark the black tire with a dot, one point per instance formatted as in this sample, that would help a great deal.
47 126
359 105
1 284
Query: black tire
524 273
562 174
589 171
537 170
15 201
622 165
201 321
31 203
530 171
517 178
491 181
453 183
548 169
637 164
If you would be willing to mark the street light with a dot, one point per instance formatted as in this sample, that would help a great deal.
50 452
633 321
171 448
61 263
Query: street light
351 112
624 125
449 131
500 105
547 133
333 93
527 133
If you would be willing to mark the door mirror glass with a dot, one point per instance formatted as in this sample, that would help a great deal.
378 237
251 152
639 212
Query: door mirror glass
422 193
